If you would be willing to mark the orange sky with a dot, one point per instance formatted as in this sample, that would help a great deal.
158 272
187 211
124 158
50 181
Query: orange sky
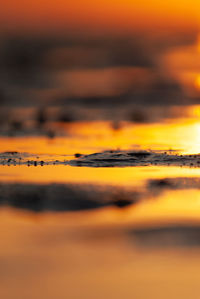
40 15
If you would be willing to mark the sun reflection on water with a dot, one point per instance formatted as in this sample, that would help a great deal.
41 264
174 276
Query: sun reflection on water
181 134
197 82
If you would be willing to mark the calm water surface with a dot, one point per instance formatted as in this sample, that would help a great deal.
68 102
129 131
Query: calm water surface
63 226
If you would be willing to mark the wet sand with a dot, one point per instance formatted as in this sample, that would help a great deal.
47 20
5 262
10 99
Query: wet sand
112 158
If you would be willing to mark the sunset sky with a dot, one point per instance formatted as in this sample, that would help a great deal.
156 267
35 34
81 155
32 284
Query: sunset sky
61 15
56 52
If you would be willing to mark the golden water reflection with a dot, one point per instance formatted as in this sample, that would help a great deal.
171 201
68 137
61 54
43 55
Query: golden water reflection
125 176
163 204
89 137
47 256
95 254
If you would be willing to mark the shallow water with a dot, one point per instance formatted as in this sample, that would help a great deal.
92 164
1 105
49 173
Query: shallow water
46 257
47 254
128 231
62 226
